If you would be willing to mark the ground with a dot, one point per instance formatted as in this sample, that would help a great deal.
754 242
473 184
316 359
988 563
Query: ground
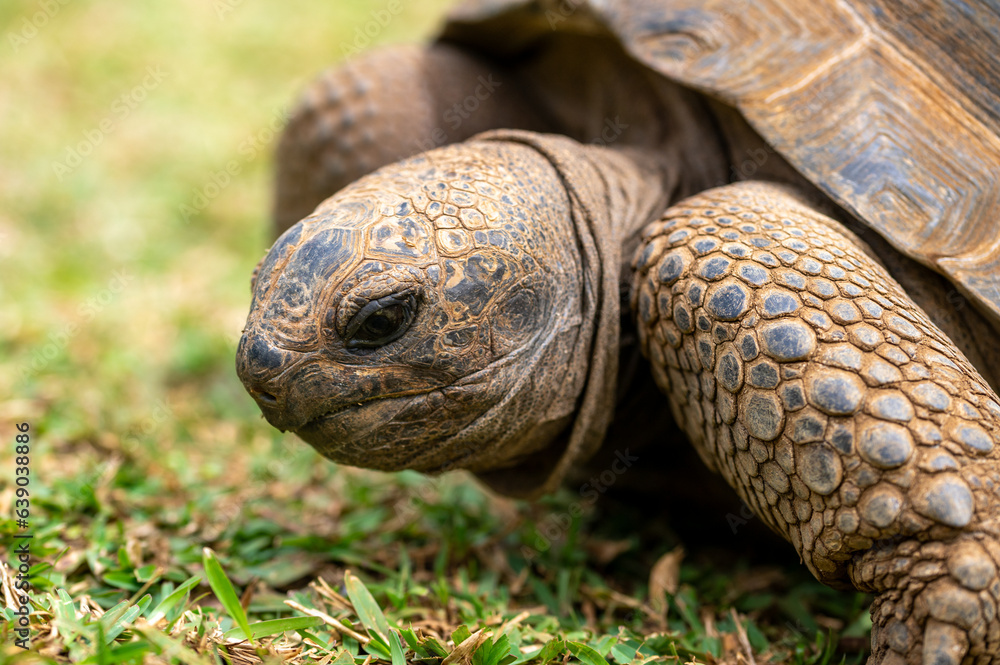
135 165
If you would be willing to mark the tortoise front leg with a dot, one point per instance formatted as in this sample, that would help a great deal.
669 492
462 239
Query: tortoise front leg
805 376
381 107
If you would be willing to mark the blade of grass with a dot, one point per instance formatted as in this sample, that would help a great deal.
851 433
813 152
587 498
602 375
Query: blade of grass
586 654
102 643
411 638
460 634
265 628
396 649
462 653
130 615
368 610
493 652
434 645
377 649
112 616
168 603
552 648
128 652
224 591
624 652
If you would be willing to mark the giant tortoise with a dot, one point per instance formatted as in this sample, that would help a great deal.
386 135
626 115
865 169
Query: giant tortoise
792 208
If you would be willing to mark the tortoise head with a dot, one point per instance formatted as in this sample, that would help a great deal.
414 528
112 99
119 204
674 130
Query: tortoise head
428 316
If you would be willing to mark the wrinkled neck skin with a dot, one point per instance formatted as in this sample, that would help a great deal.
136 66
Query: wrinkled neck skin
500 260
613 194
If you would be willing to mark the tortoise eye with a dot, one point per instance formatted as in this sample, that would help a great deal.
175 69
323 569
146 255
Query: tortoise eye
380 322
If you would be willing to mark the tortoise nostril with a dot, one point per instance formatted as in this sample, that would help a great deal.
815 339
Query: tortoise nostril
266 398
264 356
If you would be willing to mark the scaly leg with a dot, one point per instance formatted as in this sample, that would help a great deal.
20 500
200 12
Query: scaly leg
381 107
852 425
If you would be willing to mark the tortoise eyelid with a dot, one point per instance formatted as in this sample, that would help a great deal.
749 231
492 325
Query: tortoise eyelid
406 298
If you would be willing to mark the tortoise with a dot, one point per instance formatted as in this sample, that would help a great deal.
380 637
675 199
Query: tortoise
790 208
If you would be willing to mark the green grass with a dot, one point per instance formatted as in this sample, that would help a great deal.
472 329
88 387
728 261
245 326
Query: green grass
121 312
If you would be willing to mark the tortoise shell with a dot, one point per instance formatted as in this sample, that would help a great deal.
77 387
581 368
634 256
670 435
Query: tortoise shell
890 108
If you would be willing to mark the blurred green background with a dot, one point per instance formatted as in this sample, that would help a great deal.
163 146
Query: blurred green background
126 254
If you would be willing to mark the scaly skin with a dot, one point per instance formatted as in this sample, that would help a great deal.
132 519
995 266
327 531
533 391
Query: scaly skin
805 376
381 107
505 273
800 370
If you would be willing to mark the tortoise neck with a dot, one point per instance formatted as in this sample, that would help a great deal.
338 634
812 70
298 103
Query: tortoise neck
639 185
611 195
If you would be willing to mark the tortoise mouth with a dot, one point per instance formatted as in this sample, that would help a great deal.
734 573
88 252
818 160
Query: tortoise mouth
475 378
318 422
332 413
392 433
354 407
387 433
